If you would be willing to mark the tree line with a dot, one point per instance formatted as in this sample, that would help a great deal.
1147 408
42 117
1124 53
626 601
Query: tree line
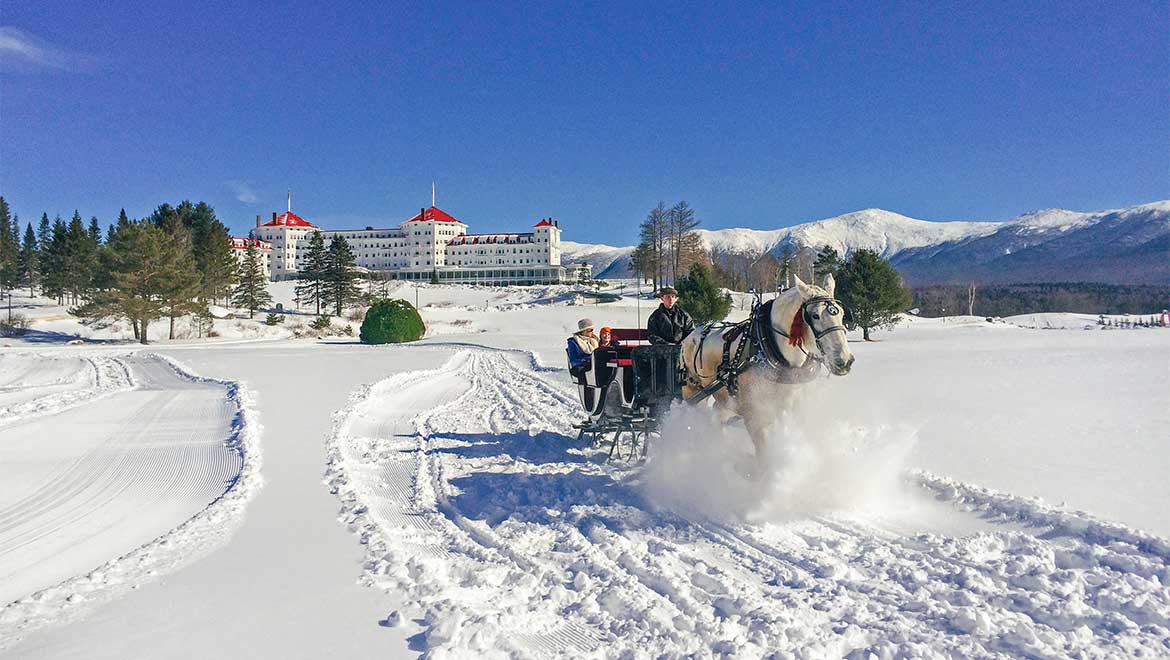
1015 299
175 262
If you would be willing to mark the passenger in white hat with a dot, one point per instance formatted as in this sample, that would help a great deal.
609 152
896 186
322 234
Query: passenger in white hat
582 344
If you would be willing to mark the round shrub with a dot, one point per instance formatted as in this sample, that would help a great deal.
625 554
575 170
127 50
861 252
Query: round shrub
391 322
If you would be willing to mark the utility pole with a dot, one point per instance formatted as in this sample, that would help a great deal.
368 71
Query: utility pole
639 299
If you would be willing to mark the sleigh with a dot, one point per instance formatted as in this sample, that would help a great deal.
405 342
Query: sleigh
623 390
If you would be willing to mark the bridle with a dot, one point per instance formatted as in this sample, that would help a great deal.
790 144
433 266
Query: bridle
813 321
832 306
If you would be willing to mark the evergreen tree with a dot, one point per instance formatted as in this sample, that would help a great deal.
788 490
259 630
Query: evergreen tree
828 263
311 278
179 288
211 245
140 261
115 226
80 259
53 258
251 292
44 233
872 291
699 296
340 277
9 251
29 269
95 231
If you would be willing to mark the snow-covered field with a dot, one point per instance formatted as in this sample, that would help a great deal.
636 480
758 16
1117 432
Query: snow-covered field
969 490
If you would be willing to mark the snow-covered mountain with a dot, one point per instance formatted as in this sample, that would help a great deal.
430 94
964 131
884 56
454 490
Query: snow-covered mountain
1126 246
607 261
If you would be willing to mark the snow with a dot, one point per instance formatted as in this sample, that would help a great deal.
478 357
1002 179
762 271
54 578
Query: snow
970 489
884 232
136 485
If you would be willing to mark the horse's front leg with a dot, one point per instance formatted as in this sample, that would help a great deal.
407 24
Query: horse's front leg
757 428
727 409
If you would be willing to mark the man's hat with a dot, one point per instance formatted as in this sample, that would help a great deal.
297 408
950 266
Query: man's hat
667 289
584 324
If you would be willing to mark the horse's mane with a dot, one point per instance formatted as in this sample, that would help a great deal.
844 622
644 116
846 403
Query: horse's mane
796 330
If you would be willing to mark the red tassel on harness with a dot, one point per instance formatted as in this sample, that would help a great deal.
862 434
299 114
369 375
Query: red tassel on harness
796 332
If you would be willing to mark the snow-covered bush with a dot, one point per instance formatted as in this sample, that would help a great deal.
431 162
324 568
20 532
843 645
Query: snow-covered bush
14 326
392 322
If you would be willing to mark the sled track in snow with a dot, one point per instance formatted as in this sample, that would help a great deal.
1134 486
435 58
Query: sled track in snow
473 502
64 382
102 496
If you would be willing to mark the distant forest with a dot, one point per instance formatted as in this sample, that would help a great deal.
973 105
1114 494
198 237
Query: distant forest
1012 299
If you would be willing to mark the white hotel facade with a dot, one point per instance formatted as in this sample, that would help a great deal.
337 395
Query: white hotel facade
430 245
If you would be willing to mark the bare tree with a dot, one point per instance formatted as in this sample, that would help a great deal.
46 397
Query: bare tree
654 240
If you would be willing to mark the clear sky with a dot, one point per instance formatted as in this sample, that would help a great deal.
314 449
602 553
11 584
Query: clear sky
759 115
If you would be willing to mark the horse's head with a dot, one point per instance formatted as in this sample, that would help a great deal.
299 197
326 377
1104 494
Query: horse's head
818 321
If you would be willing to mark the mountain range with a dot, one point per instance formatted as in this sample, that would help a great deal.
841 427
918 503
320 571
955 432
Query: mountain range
1123 246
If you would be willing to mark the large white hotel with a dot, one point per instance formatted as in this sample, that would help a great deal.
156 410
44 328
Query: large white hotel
432 245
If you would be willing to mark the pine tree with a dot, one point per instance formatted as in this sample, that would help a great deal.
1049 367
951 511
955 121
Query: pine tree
179 288
340 277
828 263
699 296
54 277
251 292
9 251
211 246
95 231
872 291
44 233
311 278
140 260
122 221
80 259
29 269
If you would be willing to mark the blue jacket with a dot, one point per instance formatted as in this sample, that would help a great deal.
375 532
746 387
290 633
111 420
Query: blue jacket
577 357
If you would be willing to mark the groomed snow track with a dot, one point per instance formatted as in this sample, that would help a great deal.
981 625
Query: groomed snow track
506 539
113 470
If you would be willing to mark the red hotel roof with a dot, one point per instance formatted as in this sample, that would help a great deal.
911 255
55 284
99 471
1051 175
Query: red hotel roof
289 219
433 214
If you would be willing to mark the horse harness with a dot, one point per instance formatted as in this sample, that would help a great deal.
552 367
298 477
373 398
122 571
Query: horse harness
755 336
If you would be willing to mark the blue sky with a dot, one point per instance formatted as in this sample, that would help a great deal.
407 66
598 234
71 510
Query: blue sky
759 115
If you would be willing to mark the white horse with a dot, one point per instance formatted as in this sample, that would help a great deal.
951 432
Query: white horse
785 342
